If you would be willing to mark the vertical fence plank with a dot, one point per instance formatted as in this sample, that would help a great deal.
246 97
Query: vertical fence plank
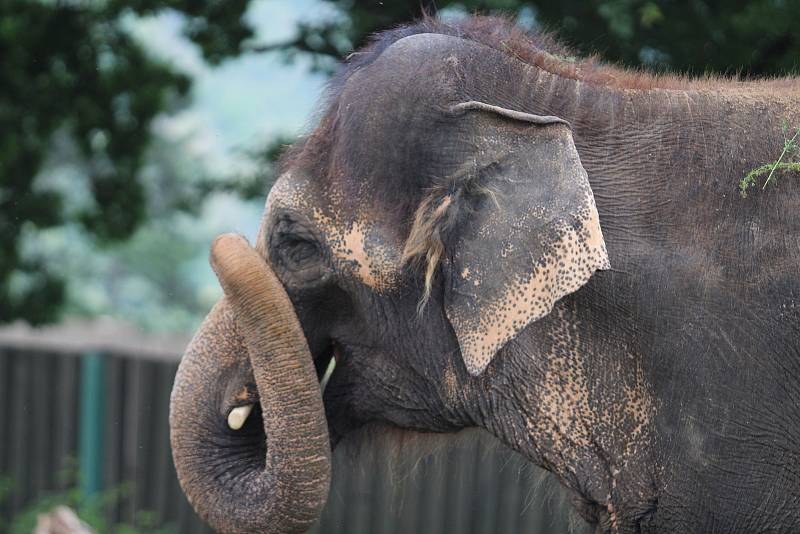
91 423
65 424
407 503
508 509
431 508
382 512
484 470
333 515
130 443
146 428
162 468
41 419
116 392
21 431
6 406
360 501
459 481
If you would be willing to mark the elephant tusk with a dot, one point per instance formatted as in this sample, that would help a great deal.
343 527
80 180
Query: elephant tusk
328 373
238 416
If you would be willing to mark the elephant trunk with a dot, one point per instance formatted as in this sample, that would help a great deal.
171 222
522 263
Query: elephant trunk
253 479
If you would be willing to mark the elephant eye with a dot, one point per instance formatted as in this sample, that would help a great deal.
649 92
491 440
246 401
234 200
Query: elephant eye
297 250
296 253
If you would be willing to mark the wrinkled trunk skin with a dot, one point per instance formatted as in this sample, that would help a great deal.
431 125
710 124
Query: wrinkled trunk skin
273 479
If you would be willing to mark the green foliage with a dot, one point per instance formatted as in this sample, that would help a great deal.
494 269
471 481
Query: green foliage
93 510
791 151
6 487
756 37
706 36
158 277
72 70
256 185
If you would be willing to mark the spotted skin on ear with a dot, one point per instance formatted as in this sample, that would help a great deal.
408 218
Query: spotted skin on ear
540 240
576 255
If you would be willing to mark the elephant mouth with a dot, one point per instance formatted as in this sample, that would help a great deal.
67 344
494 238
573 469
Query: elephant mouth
244 415
326 363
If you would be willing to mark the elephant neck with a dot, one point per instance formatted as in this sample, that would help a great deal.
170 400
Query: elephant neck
557 396
652 153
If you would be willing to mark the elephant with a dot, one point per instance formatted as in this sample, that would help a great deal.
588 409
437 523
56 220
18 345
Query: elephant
482 230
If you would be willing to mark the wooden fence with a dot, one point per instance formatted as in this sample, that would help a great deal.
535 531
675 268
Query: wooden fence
469 488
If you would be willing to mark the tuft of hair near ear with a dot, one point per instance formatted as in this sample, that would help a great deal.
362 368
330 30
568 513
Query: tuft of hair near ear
437 215
425 241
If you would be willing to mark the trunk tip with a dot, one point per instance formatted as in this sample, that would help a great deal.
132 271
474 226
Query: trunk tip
226 246
225 242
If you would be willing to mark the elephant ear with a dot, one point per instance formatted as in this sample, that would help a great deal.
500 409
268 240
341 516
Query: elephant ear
531 234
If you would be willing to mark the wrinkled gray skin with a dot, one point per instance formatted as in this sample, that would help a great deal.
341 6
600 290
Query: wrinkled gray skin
664 391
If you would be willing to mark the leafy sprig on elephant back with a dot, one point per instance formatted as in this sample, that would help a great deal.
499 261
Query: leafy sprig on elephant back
788 161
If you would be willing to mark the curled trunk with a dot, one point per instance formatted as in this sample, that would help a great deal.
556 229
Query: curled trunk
270 477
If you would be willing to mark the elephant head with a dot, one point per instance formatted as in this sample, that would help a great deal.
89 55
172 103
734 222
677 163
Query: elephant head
414 237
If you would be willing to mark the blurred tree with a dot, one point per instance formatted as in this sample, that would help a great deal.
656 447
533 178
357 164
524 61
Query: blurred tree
755 37
71 69
150 278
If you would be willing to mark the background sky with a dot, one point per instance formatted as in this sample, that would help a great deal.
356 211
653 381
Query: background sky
246 99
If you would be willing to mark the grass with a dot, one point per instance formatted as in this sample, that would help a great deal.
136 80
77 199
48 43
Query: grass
786 162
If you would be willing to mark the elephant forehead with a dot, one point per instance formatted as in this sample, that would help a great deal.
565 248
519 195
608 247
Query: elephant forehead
362 247
360 242
290 191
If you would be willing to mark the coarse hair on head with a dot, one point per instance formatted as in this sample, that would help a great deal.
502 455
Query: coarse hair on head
533 47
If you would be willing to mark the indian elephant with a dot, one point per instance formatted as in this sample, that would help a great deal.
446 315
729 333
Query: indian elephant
484 231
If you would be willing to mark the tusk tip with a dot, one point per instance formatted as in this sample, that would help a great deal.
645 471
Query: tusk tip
238 416
328 372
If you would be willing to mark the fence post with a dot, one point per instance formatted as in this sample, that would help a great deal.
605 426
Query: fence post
92 417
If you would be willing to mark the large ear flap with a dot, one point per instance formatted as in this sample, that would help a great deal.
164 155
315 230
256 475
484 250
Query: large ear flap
531 235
